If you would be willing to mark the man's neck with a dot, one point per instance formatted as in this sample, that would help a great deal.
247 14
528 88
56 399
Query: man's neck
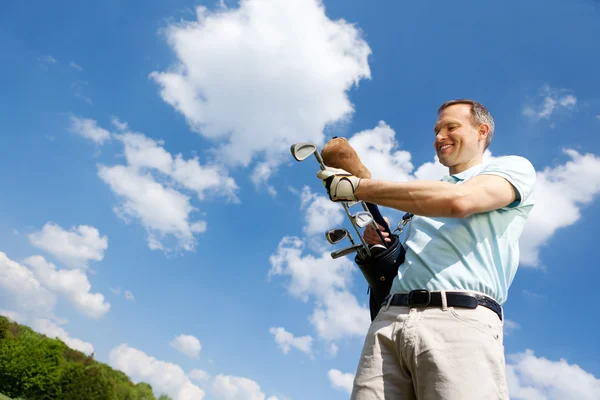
457 169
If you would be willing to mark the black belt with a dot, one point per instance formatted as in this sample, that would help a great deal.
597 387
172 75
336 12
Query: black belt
425 298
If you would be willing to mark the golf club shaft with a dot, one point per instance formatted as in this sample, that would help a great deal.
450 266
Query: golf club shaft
365 245
362 240
351 239
376 221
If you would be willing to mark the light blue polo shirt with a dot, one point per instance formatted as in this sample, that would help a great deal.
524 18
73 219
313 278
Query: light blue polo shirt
479 252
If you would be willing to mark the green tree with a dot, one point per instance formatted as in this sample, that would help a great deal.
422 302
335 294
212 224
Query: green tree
33 366
144 391
30 365
4 327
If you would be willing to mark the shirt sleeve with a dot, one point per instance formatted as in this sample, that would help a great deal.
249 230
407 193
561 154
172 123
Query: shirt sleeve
519 172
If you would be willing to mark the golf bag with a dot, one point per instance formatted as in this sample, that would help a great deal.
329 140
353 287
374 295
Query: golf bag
380 270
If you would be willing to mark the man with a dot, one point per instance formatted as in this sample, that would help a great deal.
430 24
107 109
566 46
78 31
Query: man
439 333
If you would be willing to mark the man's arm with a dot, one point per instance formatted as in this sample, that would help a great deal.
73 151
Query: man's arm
439 199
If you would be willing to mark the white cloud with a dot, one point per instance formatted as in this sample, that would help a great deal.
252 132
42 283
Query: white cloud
321 278
341 381
510 327
263 76
21 292
321 213
52 330
431 171
339 315
188 345
89 129
333 349
75 248
560 193
553 100
117 123
151 186
78 87
436 171
161 210
116 291
48 60
199 375
164 377
309 276
286 340
129 296
236 388
31 303
73 284
143 152
379 152
76 66
13 315
532 378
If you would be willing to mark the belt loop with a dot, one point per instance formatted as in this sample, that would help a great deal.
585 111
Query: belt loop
388 301
444 300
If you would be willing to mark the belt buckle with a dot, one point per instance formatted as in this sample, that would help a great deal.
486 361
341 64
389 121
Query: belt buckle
419 298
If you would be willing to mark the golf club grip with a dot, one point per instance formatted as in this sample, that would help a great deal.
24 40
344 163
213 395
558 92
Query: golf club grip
374 210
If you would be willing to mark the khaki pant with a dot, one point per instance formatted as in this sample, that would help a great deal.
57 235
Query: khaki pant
431 354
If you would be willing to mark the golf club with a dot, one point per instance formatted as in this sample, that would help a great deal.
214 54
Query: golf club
376 214
344 252
337 235
300 152
362 218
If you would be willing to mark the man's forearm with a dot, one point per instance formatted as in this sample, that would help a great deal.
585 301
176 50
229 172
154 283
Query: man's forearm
426 198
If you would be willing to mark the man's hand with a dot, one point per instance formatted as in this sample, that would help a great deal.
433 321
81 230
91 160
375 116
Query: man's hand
371 236
340 184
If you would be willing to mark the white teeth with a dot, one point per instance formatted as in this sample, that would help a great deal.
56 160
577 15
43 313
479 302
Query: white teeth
445 146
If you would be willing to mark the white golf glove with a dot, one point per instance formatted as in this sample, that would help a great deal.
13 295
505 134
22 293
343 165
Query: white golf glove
340 184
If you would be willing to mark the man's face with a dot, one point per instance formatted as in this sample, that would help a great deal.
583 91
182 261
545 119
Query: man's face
458 143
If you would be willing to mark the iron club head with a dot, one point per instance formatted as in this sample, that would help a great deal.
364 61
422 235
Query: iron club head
301 151
336 235
362 218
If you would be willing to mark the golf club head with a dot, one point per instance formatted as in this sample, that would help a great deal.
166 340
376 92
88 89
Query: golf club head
301 151
362 218
344 252
336 235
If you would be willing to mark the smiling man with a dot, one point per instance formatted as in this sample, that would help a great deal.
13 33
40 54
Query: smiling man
439 333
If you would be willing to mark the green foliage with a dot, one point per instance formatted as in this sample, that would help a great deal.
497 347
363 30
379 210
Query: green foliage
164 397
33 366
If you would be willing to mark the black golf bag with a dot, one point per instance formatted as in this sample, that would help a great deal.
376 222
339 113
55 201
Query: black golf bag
380 270
382 267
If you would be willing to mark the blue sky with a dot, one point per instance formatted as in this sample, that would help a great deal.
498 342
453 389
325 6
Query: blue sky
152 213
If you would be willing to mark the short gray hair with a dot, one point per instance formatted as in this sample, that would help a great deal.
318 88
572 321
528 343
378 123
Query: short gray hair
479 114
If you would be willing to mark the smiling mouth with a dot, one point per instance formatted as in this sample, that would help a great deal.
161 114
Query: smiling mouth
444 147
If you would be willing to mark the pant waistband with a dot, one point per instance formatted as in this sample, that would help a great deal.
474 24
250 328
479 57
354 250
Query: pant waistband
426 298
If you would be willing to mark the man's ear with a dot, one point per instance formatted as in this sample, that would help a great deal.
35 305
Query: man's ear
483 131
